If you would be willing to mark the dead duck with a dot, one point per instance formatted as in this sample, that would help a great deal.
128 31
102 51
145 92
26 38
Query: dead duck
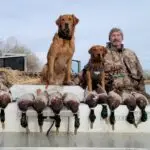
91 100
130 101
5 99
114 100
39 104
141 102
25 101
55 102
72 102
102 99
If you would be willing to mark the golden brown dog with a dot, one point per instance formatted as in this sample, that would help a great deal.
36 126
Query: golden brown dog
59 57
96 65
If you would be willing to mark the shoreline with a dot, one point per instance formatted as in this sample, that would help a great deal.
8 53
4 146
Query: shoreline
147 81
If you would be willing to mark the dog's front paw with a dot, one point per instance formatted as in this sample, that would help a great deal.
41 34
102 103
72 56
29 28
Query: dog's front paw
51 82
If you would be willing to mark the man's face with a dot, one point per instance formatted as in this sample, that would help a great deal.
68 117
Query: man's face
116 39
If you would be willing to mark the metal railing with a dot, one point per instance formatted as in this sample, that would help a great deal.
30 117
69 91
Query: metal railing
78 65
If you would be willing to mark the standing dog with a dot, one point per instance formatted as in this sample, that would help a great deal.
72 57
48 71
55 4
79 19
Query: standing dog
95 67
59 57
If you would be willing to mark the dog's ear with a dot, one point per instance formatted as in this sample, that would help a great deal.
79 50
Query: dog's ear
75 20
105 51
91 50
58 21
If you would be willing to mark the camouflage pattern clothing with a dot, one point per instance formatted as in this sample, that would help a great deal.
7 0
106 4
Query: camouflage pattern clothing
125 67
126 70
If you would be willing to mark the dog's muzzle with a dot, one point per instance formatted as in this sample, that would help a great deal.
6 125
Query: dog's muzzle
97 59
64 33
100 58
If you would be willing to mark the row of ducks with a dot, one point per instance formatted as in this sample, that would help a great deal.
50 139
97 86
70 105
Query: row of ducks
52 99
55 100
42 99
113 101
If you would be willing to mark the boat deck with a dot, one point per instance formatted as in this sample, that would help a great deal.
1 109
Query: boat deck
80 141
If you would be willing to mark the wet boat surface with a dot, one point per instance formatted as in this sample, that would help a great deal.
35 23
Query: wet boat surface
76 142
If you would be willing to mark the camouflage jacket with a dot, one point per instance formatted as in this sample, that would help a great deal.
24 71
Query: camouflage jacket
125 67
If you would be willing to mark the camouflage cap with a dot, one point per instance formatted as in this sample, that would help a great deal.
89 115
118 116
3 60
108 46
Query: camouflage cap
115 30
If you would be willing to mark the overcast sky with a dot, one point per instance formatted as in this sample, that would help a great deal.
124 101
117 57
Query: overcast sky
32 22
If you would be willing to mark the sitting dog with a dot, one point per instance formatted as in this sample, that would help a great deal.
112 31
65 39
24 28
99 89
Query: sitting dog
59 57
95 68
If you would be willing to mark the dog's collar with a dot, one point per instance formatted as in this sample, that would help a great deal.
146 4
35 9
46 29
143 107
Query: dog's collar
97 71
94 68
64 37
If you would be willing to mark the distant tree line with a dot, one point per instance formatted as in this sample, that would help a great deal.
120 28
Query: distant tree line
12 45
147 75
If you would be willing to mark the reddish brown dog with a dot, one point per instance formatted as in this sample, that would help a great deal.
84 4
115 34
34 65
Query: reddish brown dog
96 65
59 57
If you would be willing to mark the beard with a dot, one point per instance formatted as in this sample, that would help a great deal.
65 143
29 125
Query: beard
117 43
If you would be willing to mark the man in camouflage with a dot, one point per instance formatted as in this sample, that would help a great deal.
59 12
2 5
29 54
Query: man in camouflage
128 80
123 64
